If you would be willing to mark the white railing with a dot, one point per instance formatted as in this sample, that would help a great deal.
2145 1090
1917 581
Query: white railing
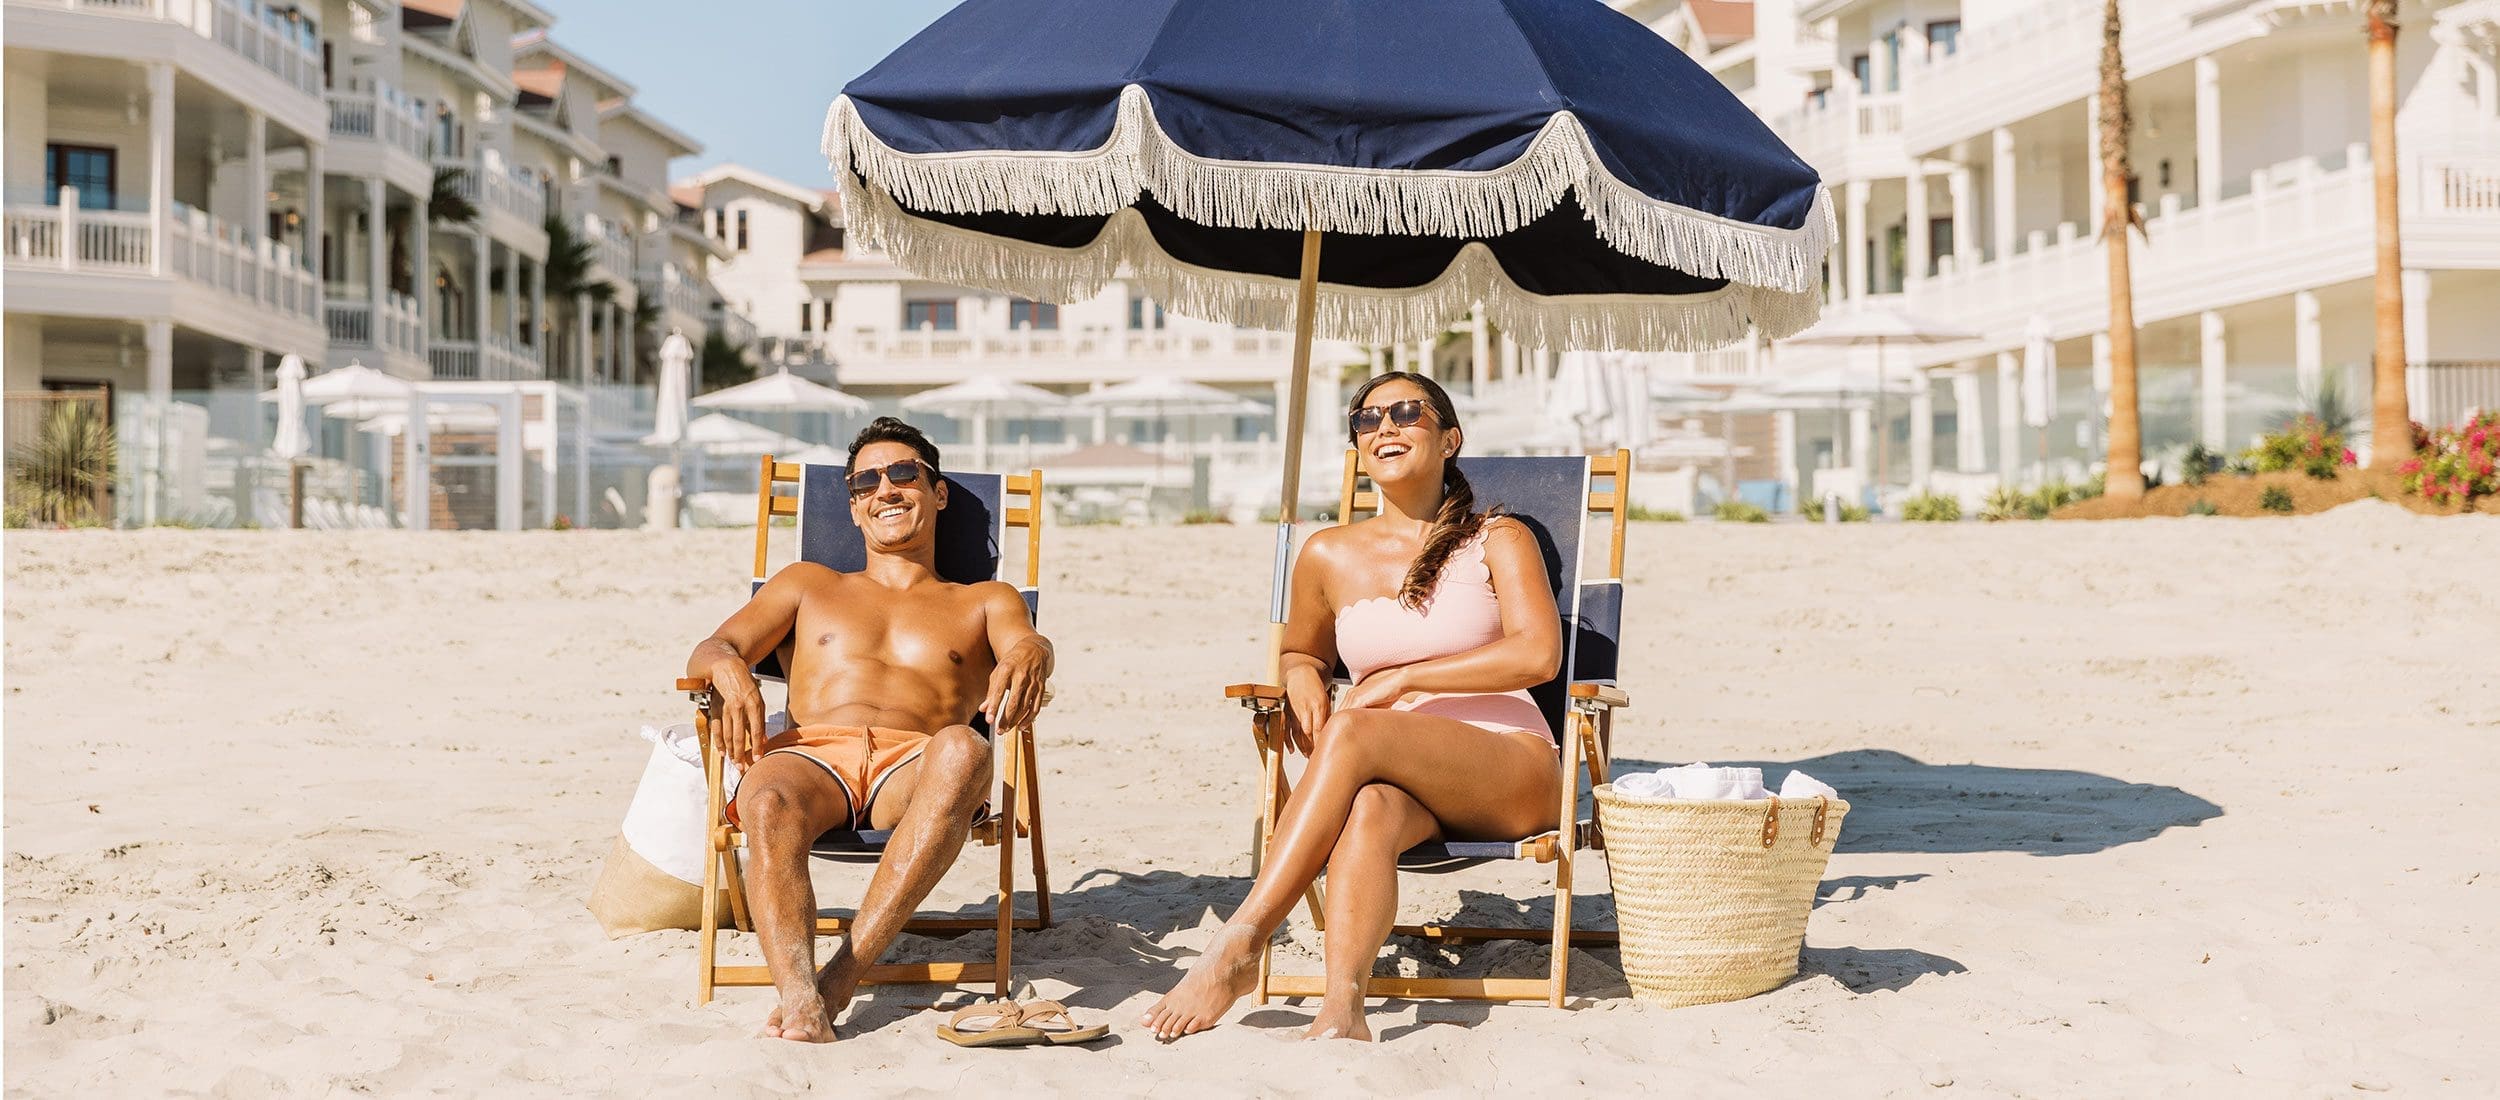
350 322
383 114
206 250
1731 362
105 240
611 247
497 359
736 328
349 314
1827 134
2464 186
278 39
1879 115
454 360
506 361
492 186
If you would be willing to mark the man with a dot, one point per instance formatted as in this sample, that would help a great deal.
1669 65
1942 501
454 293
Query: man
885 666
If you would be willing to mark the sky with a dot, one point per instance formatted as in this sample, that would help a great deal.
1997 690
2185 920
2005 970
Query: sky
749 79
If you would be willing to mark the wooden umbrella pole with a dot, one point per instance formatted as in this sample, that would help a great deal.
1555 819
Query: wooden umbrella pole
1288 504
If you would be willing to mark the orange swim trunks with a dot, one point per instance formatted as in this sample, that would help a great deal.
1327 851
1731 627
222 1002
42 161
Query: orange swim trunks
860 758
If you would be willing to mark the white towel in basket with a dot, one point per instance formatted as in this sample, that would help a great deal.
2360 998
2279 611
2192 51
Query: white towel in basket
1705 782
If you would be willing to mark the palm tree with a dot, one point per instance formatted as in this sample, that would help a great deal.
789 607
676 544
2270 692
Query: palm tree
724 363
2391 422
2118 215
569 259
62 476
448 205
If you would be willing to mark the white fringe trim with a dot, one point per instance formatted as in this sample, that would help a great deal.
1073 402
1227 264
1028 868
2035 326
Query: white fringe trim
1630 322
1336 199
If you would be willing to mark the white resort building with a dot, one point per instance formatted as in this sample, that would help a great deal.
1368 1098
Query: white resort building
435 189
1959 140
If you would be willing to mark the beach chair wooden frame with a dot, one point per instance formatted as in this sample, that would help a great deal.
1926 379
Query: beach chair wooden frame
1016 806
1581 701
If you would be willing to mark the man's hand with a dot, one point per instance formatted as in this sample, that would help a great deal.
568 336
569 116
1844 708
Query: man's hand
1378 690
1306 700
1017 684
740 729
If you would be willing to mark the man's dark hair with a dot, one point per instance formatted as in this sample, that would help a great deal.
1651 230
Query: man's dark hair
886 429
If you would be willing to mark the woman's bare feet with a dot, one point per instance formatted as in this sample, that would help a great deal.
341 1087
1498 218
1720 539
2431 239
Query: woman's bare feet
1228 969
804 1021
1332 1024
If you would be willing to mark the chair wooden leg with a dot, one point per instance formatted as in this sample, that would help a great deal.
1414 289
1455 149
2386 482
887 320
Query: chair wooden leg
1011 795
1566 856
1033 805
734 873
710 938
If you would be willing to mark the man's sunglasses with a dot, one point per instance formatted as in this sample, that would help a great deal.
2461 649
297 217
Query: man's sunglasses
1405 414
907 472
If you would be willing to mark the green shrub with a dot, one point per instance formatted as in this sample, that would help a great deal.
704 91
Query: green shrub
2304 443
1737 511
2005 502
1202 516
2455 465
2275 499
2200 462
1849 513
2203 507
1931 508
1638 514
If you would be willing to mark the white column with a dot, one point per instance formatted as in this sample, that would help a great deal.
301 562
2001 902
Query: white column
256 173
314 212
160 166
2096 418
1479 352
2213 351
1921 246
421 272
2001 179
377 248
1510 357
538 323
2092 169
2009 417
1970 433
508 459
550 411
2308 343
2208 131
159 337
482 261
1861 443
581 337
512 297
2416 285
1922 432
1423 360
581 462
1965 250
1784 436
1859 192
416 450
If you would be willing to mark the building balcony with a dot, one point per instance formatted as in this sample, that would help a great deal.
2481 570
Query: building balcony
611 246
2298 226
510 206
495 359
104 263
353 326
380 130
1051 356
2048 55
231 43
1852 135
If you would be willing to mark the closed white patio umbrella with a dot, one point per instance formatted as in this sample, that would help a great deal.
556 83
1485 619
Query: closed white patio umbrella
665 485
291 443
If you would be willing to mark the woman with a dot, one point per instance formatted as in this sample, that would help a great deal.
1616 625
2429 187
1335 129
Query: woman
1444 617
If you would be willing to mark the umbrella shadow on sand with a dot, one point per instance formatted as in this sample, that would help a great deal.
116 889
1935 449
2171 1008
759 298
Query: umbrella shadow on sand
1898 803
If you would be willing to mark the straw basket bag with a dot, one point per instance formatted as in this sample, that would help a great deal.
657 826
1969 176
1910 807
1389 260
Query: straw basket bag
1712 897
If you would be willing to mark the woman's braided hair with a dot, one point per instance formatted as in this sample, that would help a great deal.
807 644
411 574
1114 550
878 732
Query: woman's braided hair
1458 520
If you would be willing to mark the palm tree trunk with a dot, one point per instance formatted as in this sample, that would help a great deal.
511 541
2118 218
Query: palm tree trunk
2391 421
2125 477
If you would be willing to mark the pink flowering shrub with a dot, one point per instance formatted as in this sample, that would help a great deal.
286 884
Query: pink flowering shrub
2304 443
2455 465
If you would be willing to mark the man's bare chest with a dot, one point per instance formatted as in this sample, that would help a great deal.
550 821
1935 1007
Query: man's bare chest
936 632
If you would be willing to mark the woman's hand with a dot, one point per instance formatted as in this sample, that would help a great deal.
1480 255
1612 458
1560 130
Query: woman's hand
1306 703
1378 690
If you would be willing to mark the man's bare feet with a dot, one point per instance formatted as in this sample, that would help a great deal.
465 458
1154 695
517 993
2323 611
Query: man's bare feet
1228 969
1336 1025
802 1021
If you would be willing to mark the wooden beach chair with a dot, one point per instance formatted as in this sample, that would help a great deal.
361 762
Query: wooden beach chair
971 531
1554 498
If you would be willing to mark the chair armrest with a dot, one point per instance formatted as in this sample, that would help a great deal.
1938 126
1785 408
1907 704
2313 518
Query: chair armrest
1601 694
694 683
1268 693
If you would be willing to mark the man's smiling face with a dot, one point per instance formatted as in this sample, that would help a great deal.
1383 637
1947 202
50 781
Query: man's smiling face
895 516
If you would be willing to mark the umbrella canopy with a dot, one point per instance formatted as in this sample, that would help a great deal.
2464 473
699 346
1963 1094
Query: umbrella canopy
1676 391
718 434
781 391
1842 383
291 442
986 395
1158 395
819 455
1878 327
676 370
1578 175
356 381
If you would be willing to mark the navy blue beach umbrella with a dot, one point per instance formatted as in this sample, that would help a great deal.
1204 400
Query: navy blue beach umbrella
1369 170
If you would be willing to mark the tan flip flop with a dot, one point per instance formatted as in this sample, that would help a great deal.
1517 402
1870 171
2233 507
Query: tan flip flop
1040 1016
1002 1029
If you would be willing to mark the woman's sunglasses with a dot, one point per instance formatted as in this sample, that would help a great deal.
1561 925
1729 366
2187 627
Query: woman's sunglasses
906 472
1405 414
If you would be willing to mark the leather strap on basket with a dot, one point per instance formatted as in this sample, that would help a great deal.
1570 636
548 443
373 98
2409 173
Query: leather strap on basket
1771 823
1822 805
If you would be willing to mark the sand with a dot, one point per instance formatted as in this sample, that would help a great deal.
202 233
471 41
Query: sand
2141 807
